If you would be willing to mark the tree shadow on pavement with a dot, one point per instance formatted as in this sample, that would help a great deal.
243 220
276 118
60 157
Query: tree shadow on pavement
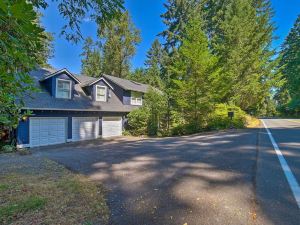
198 179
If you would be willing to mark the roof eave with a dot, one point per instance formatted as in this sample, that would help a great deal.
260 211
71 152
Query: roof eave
59 72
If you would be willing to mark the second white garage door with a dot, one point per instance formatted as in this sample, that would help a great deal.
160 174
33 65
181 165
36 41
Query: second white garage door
85 128
111 127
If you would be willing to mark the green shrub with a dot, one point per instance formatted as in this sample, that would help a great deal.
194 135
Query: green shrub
185 129
8 148
178 130
219 119
138 121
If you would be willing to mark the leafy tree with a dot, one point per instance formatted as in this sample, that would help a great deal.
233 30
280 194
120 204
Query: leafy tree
155 102
25 45
75 11
138 121
120 39
290 63
21 49
91 62
148 119
195 73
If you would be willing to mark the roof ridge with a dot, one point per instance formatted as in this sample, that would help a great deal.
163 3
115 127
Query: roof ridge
124 79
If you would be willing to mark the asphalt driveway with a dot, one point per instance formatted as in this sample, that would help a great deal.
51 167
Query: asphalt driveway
197 179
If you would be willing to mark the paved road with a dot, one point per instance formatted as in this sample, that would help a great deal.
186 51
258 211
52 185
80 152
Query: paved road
223 178
276 201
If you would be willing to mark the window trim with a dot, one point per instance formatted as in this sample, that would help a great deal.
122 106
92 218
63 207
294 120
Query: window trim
133 100
56 90
96 93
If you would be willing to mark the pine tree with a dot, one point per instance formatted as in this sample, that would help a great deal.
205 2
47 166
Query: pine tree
178 13
288 96
138 75
91 62
120 39
153 64
243 45
290 61
195 75
214 13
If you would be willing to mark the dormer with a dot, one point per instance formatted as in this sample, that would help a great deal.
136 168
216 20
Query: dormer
60 84
129 92
99 89
136 98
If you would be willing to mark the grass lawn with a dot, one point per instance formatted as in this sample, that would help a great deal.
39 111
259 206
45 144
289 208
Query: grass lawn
48 194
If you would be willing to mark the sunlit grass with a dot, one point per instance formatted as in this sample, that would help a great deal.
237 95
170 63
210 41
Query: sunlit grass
50 196
252 122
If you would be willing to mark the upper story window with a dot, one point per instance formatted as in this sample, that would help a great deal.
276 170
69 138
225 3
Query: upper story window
63 88
101 93
136 98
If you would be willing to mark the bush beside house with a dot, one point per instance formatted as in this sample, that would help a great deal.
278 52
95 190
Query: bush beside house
140 121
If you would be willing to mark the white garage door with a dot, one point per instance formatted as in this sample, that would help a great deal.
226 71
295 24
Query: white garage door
111 126
47 131
85 128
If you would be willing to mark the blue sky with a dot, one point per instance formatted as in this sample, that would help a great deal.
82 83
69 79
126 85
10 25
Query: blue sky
146 17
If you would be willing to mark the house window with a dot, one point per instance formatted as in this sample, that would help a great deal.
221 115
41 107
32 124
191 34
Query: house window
63 88
136 98
101 93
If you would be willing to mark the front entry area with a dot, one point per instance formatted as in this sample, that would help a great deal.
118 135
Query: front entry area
47 131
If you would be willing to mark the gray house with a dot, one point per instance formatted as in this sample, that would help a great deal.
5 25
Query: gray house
72 107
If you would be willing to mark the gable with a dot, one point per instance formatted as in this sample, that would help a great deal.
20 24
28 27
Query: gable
50 83
63 72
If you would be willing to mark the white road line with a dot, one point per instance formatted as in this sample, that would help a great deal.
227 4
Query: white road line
286 169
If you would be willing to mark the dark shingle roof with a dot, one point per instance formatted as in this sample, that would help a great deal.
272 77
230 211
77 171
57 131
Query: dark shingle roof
128 84
85 79
81 102
51 73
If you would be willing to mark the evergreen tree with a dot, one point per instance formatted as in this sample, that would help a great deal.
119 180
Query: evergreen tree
178 13
243 46
153 64
120 38
138 75
91 62
214 14
290 62
195 73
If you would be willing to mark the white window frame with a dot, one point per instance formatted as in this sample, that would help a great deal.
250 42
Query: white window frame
56 91
96 93
133 100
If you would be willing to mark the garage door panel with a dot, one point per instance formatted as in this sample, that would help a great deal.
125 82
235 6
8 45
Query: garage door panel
47 131
85 128
111 127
